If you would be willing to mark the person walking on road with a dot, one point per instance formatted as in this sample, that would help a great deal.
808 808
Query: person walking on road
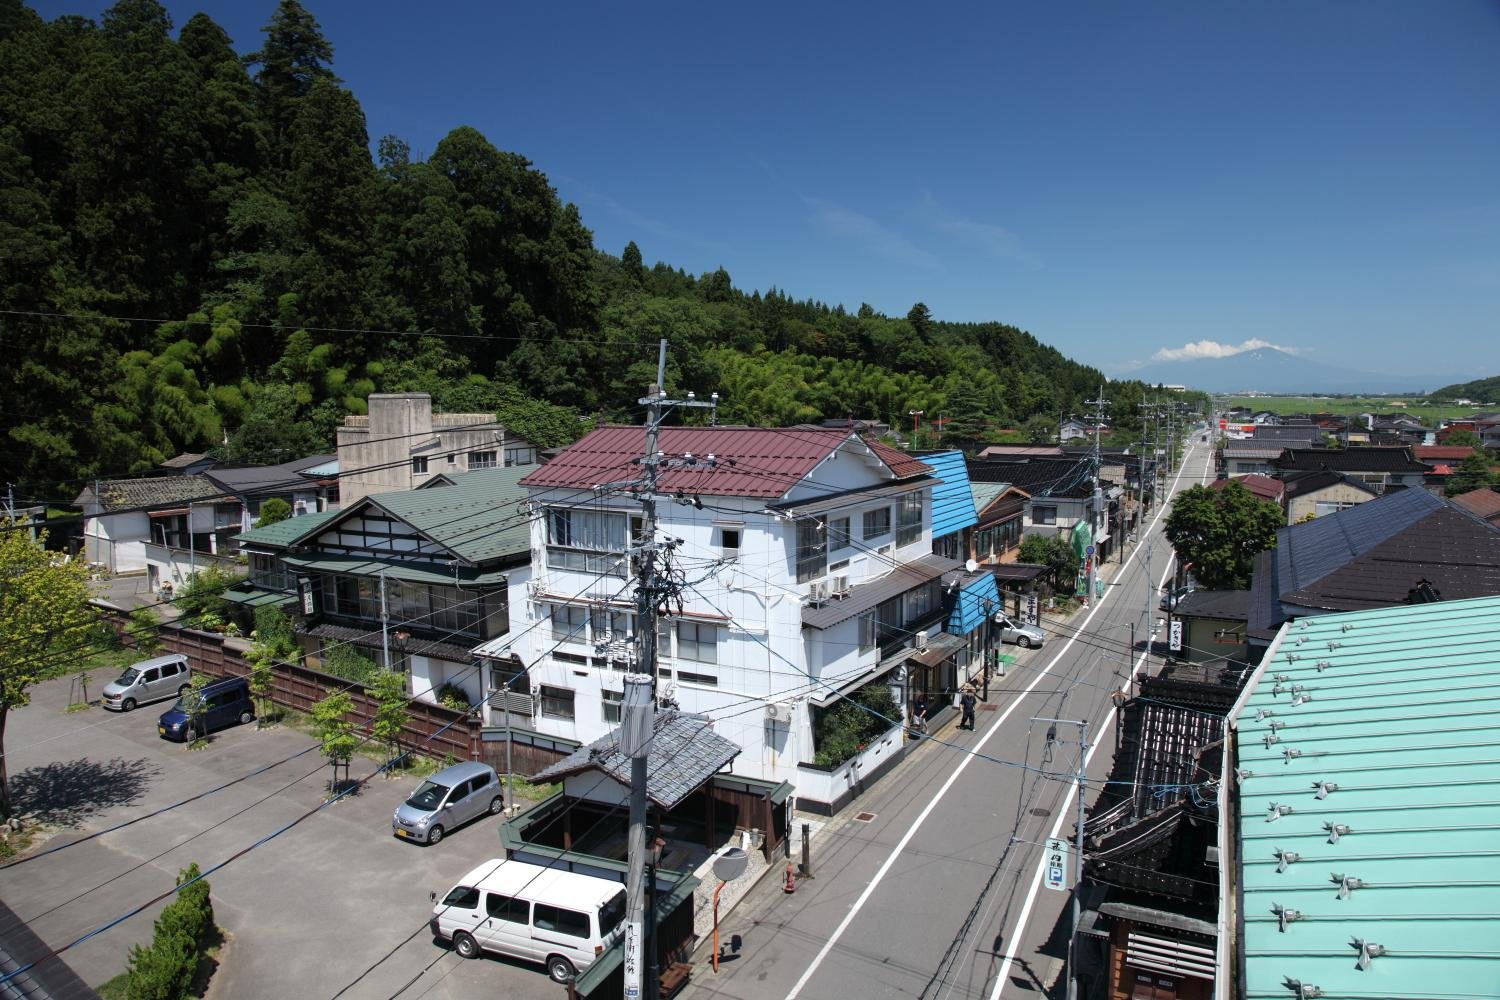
919 718
966 702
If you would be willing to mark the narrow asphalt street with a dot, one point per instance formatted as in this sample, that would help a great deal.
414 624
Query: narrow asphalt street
938 894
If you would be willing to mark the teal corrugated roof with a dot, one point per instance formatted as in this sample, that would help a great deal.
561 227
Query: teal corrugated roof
985 494
477 517
952 503
1369 748
283 533
978 598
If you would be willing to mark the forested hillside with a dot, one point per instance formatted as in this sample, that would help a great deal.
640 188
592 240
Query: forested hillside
1484 390
200 252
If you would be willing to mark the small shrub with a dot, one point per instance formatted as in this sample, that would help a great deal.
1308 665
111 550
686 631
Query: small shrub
143 631
844 729
452 696
273 511
346 662
165 969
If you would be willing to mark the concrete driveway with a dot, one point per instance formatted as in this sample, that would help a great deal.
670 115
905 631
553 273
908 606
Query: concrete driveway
305 913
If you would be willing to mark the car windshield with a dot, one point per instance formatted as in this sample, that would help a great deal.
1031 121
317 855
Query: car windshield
429 796
129 676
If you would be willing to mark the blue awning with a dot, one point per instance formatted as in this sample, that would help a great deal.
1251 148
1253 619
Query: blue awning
978 598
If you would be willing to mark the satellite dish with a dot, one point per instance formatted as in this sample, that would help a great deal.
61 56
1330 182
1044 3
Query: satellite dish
971 565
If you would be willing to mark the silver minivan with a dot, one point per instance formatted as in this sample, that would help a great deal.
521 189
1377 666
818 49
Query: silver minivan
148 680
453 796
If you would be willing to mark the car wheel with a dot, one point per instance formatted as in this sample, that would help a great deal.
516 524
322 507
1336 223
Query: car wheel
496 804
465 945
1023 641
128 705
246 718
560 969
434 835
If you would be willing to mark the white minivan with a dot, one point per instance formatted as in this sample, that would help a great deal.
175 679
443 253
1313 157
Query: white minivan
560 918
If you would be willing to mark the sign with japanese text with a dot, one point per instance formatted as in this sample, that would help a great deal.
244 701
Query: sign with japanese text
1031 615
1174 636
1056 859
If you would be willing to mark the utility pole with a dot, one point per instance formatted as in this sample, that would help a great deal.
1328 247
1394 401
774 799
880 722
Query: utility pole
385 639
638 708
1083 750
1097 503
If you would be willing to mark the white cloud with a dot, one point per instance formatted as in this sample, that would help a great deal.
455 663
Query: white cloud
870 235
996 241
1213 349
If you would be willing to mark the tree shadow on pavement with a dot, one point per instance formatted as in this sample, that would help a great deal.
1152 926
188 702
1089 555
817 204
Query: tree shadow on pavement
65 793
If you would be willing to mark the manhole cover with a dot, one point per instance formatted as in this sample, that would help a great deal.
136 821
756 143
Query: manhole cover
989 708
1041 812
864 817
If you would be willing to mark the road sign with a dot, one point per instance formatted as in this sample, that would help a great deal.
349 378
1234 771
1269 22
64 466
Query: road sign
1089 552
1057 864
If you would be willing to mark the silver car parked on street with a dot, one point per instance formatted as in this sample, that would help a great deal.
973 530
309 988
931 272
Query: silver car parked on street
449 798
148 680
1023 635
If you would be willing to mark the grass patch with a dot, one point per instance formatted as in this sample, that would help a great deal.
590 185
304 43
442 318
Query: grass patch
1418 406
17 843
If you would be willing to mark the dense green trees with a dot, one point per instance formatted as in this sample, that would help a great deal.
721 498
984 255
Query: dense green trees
1219 532
274 274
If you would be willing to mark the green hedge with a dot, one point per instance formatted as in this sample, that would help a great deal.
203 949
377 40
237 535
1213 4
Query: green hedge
167 968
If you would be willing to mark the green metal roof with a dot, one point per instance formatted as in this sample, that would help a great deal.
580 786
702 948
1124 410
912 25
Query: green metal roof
986 493
1369 748
477 518
252 596
396 569
284 533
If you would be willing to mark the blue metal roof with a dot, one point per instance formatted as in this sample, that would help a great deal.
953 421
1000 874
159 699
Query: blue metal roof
952 500
1368 749
977 599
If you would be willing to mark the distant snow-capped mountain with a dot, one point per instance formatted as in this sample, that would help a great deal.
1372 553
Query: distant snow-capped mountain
1270 370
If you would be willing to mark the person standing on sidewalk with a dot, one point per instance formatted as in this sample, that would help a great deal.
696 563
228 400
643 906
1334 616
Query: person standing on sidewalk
966 702
919 719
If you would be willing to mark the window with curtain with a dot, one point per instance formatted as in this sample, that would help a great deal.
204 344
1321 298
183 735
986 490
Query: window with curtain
812 549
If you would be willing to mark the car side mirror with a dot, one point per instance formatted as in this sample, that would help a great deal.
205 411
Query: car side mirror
432 895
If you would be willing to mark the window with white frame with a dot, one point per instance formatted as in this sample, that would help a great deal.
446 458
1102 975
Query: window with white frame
557 702
611 702
482 460
568 623
909 518
876 523
729 542
698 641
520 456
588 540
419 465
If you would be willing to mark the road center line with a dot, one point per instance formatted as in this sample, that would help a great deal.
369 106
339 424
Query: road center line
1062 811
885 867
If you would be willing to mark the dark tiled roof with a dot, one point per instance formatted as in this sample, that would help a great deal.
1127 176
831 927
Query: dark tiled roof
184 460
1301 483
1252 449
1228 604
685 754
865 596
1041 477
1305 433
155 491
1307 552
281 478
1351 459
751 461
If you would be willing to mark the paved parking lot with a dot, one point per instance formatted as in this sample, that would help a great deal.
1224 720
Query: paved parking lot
305 913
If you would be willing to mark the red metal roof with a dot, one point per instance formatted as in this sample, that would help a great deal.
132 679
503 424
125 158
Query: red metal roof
1262 486
1441 453
1484 502
750 461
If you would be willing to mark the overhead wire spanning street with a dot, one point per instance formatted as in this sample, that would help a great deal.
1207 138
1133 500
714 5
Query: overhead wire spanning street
929 885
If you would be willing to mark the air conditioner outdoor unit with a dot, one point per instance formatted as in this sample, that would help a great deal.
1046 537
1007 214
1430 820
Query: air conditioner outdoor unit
778 713
922 638
817 593
841 585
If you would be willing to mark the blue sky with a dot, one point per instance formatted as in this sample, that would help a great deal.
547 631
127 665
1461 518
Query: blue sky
1118 179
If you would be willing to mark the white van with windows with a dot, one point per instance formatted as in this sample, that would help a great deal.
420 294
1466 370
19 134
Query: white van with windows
560 918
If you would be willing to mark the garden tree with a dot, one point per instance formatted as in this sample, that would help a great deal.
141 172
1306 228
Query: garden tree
200 598
272 511
335 733
1054 552
844 728
143 630
1219 533
1462 437
274 641
194 706
43 609
388 689
1473 473
165 969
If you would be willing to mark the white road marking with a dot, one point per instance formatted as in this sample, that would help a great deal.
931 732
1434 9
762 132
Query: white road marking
864 897
1062 811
